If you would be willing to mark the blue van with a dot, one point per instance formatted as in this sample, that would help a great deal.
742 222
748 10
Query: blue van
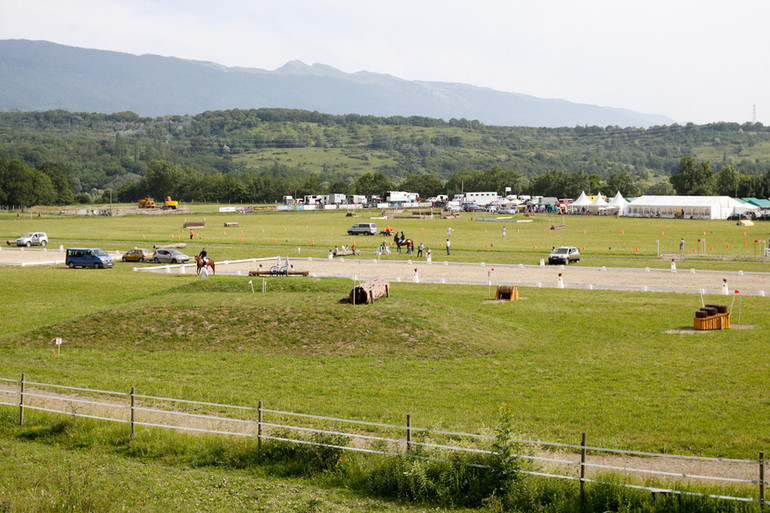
88 257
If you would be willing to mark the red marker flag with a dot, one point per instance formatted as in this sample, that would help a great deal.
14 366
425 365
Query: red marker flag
737 292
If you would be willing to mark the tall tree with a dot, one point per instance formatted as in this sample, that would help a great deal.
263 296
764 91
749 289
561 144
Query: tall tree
621 182
693 178
163 179
727 181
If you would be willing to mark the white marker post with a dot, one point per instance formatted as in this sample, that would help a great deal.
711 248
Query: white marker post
252 286
58 346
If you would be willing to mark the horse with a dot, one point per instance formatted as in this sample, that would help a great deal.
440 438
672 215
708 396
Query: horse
201 264
399 243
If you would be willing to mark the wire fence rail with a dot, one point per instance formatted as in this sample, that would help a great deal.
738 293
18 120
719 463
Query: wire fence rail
671 472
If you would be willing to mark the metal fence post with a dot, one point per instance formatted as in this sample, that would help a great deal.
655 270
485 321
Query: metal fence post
582 468
408 432
762 480
133 430
259 427
21 401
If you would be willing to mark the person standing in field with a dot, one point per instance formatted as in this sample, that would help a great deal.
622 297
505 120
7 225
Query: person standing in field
447 246
420 247
681 245
503 231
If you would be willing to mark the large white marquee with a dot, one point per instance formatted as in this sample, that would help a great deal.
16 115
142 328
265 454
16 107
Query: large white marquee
688 207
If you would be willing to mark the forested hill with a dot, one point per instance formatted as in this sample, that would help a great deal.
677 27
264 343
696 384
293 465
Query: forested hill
270 152
40 75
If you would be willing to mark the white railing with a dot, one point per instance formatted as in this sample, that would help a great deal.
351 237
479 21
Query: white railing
382 438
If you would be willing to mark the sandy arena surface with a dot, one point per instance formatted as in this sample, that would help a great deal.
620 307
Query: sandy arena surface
683 280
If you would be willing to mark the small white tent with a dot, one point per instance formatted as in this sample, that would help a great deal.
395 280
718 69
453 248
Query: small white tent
599 204
580 203
620 203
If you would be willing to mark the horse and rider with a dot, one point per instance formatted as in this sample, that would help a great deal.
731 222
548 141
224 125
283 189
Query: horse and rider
202 260
402 241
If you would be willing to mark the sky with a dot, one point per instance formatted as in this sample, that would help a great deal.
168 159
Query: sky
694 61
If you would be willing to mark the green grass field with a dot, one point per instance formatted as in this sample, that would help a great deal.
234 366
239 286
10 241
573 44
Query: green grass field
611 241
564 361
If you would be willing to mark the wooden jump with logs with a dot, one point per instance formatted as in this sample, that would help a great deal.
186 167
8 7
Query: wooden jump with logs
268 272
368 292
712 317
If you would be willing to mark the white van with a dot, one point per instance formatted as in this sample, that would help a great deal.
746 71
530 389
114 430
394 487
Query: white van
363 229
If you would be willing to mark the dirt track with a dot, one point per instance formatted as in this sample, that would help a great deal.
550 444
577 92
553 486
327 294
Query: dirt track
683 280
547 276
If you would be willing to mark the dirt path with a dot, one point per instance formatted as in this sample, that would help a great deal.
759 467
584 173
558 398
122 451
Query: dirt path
527 275
666 280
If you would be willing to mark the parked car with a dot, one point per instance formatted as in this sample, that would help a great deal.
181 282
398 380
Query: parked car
564 255
363 229
138 255
96 258
170 256
32 239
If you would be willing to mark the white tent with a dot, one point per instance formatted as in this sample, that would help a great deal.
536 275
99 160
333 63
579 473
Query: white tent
688 207
620 203
580 203
598 205
599 201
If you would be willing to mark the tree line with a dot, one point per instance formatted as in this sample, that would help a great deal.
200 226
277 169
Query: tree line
301 152
49 184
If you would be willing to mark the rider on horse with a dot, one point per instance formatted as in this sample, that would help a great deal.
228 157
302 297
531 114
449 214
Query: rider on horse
203 256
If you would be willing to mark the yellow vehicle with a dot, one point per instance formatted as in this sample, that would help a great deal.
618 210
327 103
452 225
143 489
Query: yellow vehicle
146 203
169 203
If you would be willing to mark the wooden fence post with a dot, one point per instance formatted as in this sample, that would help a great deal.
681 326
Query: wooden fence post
259 427
21 401
408 432
133 429
582 468
762 480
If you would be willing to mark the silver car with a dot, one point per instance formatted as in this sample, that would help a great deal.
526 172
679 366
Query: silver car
32 239
564 255
170 256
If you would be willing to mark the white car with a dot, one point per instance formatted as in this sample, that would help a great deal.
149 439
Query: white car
32 239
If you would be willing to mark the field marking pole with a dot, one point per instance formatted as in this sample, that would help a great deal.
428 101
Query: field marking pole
21 401
762 480
408 431
133 404
259 427
582 467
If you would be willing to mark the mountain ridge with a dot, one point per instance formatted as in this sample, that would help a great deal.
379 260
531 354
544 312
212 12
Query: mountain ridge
40 75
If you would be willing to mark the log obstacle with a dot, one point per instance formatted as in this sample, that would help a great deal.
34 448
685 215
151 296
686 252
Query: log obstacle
232 224
712 317
195 224
268 272
507 293
368 292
